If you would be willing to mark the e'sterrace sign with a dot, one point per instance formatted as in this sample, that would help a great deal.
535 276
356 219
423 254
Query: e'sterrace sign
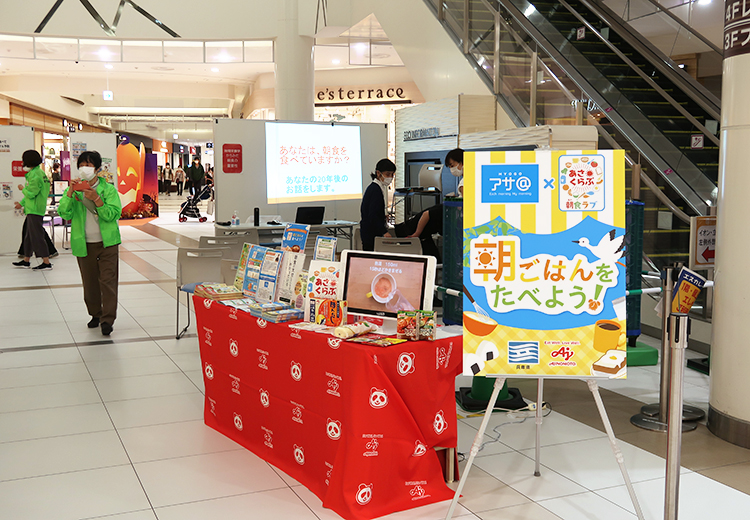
367 94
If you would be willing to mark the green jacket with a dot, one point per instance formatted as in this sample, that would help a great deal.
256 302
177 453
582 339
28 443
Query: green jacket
35 193
71 208
196 174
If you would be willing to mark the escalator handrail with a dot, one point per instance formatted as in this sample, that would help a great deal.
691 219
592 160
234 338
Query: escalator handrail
642 74
663 198
695 199
666 65
681 22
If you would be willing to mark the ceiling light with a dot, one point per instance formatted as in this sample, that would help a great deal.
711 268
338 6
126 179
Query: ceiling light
175 136
335 62
108 95
704 2
529 11
80 126
681 65
104 54
214 69
109 66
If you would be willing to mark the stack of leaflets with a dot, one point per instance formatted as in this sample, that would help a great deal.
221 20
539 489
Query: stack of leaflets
282 315
258 308
218 291
252 270
242 304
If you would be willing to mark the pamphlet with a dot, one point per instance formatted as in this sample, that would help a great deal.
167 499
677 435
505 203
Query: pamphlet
291 266
239 278
252 270
295 237
299 290
325 248
269 275
323 280
331 313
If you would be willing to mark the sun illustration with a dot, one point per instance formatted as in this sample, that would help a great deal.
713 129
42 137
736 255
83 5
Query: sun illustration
485 258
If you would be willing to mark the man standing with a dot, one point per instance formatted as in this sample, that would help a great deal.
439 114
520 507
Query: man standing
196 174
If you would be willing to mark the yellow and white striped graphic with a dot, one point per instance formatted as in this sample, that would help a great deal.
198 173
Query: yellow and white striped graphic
544 217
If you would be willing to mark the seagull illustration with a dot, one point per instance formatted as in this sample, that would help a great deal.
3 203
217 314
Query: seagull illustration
609 249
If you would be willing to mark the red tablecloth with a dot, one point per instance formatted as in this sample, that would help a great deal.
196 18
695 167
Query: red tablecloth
354 424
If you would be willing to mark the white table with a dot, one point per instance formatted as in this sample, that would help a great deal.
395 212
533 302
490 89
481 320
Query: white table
270 234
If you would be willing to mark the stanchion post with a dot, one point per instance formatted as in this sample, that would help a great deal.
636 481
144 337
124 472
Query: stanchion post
666 308
679 333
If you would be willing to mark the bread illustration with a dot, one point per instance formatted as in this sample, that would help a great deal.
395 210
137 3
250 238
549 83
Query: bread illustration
611 362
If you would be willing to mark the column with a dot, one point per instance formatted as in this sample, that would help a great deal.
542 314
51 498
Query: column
729 410
294 66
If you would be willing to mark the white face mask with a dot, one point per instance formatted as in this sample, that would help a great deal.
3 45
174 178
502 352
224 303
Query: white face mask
26 169
456 172
387 180
87 173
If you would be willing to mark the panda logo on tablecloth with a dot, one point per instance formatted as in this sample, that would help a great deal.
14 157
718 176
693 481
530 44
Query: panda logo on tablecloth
207 303
261 323
334 343
209 372
405 365
364 494
234 347
296 371
333 429
439 424
299 455
265 400
378 398
238 421
420 448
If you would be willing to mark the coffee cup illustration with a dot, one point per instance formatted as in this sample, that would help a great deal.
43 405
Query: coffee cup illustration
383 287
606 335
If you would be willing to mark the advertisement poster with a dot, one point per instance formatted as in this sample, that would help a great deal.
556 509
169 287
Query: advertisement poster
544 267
137 181
7 190
295 237
5 145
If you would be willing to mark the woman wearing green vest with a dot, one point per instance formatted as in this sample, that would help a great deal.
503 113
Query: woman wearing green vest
94 239
34 205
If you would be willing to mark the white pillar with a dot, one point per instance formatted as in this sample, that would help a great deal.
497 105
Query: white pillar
295 69
729 410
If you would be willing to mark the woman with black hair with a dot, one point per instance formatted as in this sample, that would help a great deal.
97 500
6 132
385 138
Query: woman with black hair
94 213
34 204
374 202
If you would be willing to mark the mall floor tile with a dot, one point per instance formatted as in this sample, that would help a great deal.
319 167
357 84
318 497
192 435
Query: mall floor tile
112 427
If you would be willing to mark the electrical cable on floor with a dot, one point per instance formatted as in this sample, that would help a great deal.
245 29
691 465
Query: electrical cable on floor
546 408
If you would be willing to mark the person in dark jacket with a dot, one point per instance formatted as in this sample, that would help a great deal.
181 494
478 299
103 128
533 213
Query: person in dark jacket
195 174
373 207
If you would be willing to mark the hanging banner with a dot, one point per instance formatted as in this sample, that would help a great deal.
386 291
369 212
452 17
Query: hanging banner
544 272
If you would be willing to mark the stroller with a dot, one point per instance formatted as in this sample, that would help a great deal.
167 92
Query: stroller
189 208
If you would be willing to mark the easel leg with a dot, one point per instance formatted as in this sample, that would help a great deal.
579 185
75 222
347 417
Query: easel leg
539 401
594 387
499 382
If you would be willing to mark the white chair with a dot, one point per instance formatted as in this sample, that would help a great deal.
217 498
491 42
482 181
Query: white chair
229 270
430 176
195 266
407 246
234 243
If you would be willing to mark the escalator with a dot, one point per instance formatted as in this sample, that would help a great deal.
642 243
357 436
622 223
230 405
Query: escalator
575 62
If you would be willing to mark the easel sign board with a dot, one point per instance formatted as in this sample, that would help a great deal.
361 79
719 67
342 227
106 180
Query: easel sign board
702 242
544 271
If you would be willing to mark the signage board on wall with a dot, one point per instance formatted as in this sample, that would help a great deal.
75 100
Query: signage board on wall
17 169
702 242
544 273
736 28
232 158
5 145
